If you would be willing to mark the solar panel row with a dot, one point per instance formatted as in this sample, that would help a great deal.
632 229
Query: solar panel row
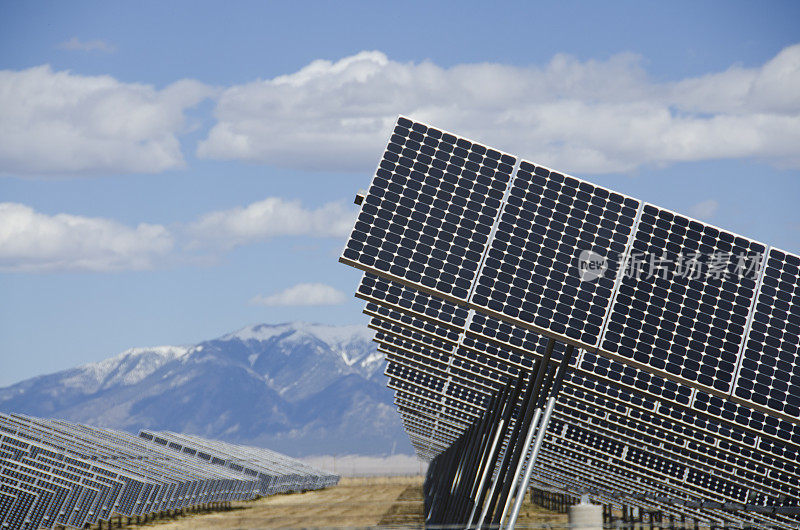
59 473
491 341
675 447
423 341
699 306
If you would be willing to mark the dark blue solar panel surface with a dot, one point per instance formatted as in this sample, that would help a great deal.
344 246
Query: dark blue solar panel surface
503 347
430 209
532 271
770 369
405 298
412 321
684 300
658 322
648 428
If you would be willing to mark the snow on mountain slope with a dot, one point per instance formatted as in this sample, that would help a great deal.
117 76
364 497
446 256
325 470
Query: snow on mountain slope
127 368
297 387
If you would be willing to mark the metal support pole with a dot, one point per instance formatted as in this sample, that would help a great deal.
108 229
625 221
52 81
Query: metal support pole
489 459
551 402
516 447
537 415
506 455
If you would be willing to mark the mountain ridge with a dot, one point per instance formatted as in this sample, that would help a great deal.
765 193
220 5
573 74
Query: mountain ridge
296 387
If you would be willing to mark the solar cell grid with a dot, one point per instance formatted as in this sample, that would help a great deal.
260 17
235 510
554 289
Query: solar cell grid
685 315
408 320
406 352
665 475
81 474
651 440
424 411
662 436
723 486
439 361
643 381
24 500
403 298
635 378
568 473
433 443
770 367
404 382
46 493
474 348
429 211
435 425
550 223
387 327
644 378
440 426
674 338
7 501
402 368
399 371
429 428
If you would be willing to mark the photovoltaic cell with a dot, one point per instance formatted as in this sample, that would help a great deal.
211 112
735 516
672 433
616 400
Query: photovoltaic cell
635 378
398 329
697 453
684 299
430 209
403 298
412 321
770 369
550 224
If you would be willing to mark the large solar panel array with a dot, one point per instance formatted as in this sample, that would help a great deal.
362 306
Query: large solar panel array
55 473
687 385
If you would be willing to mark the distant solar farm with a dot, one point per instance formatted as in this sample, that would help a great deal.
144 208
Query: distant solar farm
60 474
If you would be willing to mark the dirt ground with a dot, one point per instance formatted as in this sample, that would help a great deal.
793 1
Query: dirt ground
355 502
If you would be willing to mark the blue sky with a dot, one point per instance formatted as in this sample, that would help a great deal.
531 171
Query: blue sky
171 171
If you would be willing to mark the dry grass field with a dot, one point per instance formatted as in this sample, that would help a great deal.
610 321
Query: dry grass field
355 502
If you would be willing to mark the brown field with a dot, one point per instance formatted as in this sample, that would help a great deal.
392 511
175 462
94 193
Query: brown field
355 502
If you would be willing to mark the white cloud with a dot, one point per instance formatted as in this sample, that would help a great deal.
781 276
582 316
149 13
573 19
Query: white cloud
302 294
705 209
35 242
271 217
59 123
32 241
75 44
592 116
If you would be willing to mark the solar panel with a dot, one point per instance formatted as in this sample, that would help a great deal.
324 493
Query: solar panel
686 314
430 209
538 251
664 435
549 223
687 382
401 298
647 379
770 366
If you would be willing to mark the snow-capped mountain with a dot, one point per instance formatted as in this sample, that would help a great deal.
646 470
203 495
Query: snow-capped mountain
298 388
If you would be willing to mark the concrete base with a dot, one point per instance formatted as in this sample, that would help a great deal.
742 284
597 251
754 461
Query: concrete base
586 516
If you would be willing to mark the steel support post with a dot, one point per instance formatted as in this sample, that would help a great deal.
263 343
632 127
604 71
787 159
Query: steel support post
494 491
517 449
551 401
